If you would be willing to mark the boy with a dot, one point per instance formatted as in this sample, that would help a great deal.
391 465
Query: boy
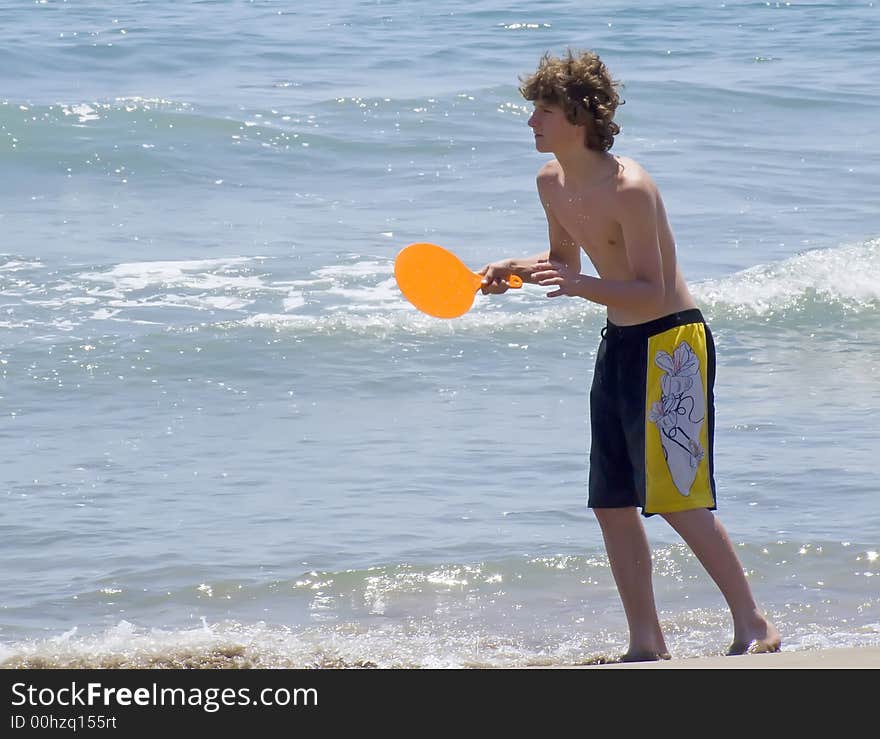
651 402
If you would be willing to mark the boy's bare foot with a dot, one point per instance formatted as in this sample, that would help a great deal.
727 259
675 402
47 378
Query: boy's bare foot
756 646
766 640
644 656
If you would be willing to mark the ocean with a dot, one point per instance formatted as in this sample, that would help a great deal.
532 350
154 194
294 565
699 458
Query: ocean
227 439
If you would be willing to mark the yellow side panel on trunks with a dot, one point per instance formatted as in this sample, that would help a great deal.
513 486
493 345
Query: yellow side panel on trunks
677 475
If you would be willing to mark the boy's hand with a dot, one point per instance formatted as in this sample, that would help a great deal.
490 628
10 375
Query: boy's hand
550 273
495 278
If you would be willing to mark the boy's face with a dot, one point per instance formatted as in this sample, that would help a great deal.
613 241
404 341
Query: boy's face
553 131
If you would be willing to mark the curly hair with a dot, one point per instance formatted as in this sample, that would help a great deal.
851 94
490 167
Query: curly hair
582 85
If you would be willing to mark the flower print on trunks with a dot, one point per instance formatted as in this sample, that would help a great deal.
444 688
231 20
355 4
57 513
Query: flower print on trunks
679 414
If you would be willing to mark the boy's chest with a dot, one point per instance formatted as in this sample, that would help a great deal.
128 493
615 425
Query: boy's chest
591 224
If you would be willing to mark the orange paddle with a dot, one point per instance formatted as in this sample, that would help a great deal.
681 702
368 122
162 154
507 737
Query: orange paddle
437 282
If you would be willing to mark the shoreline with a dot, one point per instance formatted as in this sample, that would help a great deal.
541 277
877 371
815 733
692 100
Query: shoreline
839 658
863 657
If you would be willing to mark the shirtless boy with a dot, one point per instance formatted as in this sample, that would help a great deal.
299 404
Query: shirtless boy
651 401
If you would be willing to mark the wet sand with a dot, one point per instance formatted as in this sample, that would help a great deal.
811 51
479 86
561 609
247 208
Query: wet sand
837 659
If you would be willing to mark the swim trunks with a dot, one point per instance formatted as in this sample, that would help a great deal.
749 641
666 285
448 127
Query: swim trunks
652 416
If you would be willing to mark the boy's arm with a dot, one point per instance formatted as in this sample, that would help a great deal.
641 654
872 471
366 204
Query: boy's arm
495 274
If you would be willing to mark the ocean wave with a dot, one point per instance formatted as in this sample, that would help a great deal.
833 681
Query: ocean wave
842 281
846 279
358 295
236 645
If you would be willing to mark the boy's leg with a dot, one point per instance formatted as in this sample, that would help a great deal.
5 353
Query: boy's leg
708 540
630 559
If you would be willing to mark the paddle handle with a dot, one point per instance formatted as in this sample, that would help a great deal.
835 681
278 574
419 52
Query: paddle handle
512 280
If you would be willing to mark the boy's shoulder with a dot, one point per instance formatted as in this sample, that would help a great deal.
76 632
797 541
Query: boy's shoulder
634 186
549 180
632 174
631 181
549 171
